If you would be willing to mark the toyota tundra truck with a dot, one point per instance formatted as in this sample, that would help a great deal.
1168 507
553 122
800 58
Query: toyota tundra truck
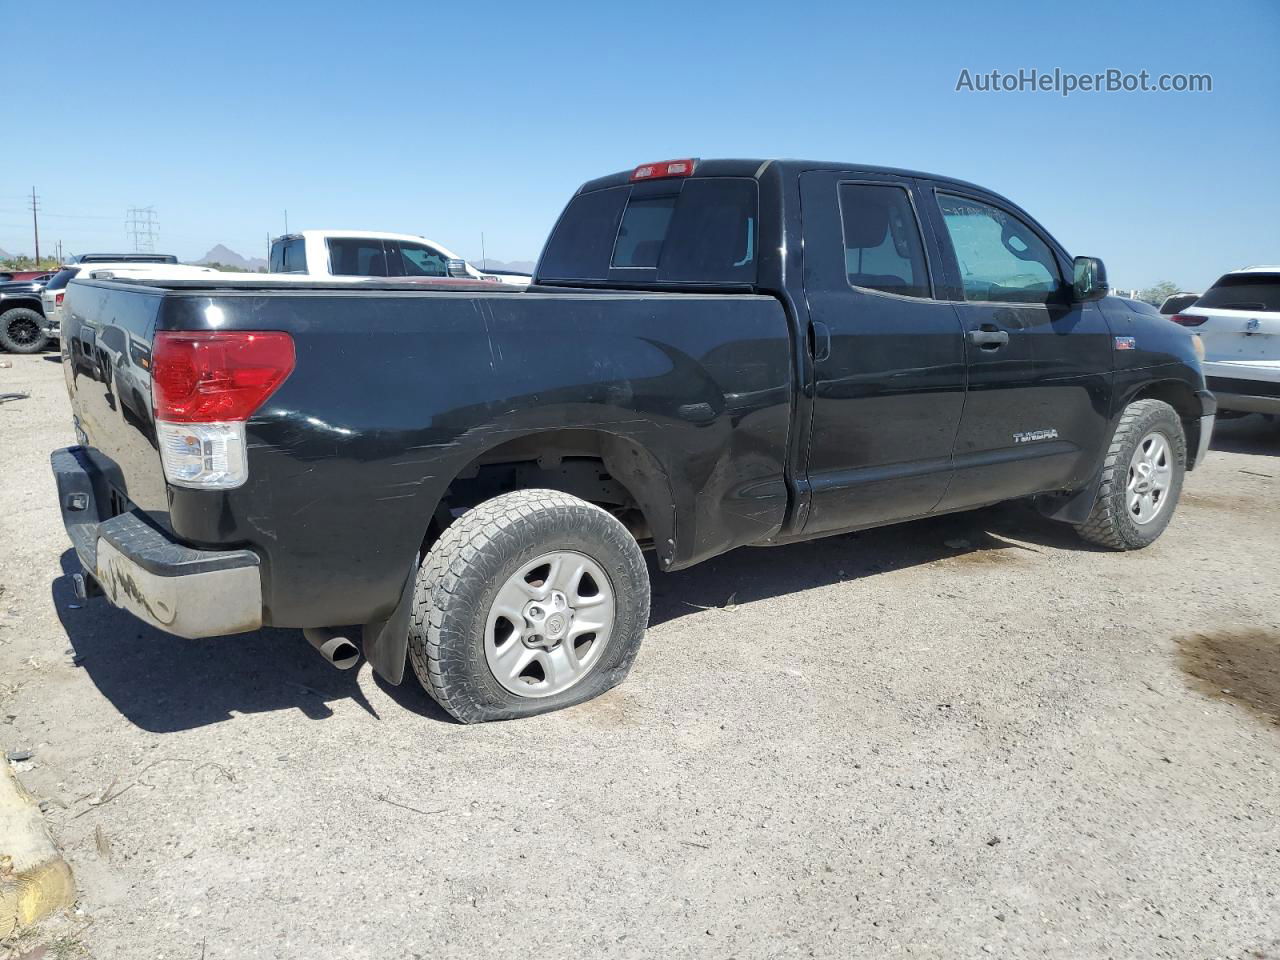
713 354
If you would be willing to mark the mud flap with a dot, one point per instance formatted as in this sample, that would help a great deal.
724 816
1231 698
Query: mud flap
386 642
1073 508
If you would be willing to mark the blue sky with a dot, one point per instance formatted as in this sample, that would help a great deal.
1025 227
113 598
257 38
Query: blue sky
451 119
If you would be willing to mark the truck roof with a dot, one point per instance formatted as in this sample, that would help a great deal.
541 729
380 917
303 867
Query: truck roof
744 167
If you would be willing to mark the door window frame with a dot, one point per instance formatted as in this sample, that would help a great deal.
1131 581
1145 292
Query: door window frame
907 188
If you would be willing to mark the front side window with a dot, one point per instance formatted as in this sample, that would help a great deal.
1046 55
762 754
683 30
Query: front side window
1001 259
419 260
882 245
357 257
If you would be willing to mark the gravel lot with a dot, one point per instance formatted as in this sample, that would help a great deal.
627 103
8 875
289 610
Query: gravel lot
872 745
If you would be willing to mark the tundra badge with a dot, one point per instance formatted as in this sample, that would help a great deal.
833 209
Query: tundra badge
1032 435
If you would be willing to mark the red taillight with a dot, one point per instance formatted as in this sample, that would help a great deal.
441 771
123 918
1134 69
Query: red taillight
1187 320
667 168
57 299
210 377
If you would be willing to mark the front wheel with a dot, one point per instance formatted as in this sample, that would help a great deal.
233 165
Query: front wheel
1141 478
20 331
529 602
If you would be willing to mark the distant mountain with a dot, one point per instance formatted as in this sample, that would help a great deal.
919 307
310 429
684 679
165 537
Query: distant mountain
4 255
515 266
228 257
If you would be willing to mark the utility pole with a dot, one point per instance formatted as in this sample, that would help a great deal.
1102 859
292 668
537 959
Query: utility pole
286 221
35 223
484 260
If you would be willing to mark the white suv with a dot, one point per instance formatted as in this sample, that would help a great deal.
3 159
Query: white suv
1238 321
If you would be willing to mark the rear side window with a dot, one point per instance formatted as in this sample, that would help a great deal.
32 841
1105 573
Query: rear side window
700 230
289 256
62 278
357 257
1259 292
882 245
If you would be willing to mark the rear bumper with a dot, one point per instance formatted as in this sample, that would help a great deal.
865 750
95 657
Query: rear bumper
176 588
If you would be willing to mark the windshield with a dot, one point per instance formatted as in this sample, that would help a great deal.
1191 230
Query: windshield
1244 291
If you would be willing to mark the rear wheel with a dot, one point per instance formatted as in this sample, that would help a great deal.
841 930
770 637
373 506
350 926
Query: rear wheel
1141 478
529 602
20 331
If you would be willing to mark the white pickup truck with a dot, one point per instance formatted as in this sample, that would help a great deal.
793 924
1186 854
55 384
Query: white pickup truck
1238 320
369 253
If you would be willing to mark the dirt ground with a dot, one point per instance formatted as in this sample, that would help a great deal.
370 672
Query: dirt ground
874 745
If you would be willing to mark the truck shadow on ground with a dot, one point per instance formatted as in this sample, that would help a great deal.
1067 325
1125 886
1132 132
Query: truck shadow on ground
990 537
164 684
1253 434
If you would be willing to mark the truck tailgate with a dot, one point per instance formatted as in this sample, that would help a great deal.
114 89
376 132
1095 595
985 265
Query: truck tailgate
106 357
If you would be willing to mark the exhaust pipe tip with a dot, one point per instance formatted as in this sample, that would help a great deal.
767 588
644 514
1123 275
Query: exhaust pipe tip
339 650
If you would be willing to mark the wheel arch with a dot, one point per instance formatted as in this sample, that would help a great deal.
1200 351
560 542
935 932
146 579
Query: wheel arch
595 464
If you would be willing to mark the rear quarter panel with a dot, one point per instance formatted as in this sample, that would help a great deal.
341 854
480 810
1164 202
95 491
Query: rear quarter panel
394 393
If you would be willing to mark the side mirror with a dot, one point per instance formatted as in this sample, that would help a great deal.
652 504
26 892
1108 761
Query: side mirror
458 268
1090 280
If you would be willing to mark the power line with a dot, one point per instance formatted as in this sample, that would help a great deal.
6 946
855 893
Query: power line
142 226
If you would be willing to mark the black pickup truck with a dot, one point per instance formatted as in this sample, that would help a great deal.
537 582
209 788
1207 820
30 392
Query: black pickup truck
713 354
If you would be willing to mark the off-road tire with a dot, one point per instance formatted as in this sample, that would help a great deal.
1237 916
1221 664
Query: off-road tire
1110 524
461 574
22 317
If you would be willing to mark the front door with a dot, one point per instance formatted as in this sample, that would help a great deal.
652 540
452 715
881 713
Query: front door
888 357
1039 364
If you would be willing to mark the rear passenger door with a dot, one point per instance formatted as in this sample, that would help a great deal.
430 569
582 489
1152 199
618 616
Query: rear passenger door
1036 413
888 356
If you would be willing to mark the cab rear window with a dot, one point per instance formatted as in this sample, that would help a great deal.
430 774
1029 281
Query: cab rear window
1244 291
694 231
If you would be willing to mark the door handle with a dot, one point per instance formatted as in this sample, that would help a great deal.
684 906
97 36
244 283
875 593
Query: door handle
989 338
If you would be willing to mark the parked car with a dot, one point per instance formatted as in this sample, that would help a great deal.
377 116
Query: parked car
1238 320
713 354
22 316
368 253
21 276
1178 302
91 266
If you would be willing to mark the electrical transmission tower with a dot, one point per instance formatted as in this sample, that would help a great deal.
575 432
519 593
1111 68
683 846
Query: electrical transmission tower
142 226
